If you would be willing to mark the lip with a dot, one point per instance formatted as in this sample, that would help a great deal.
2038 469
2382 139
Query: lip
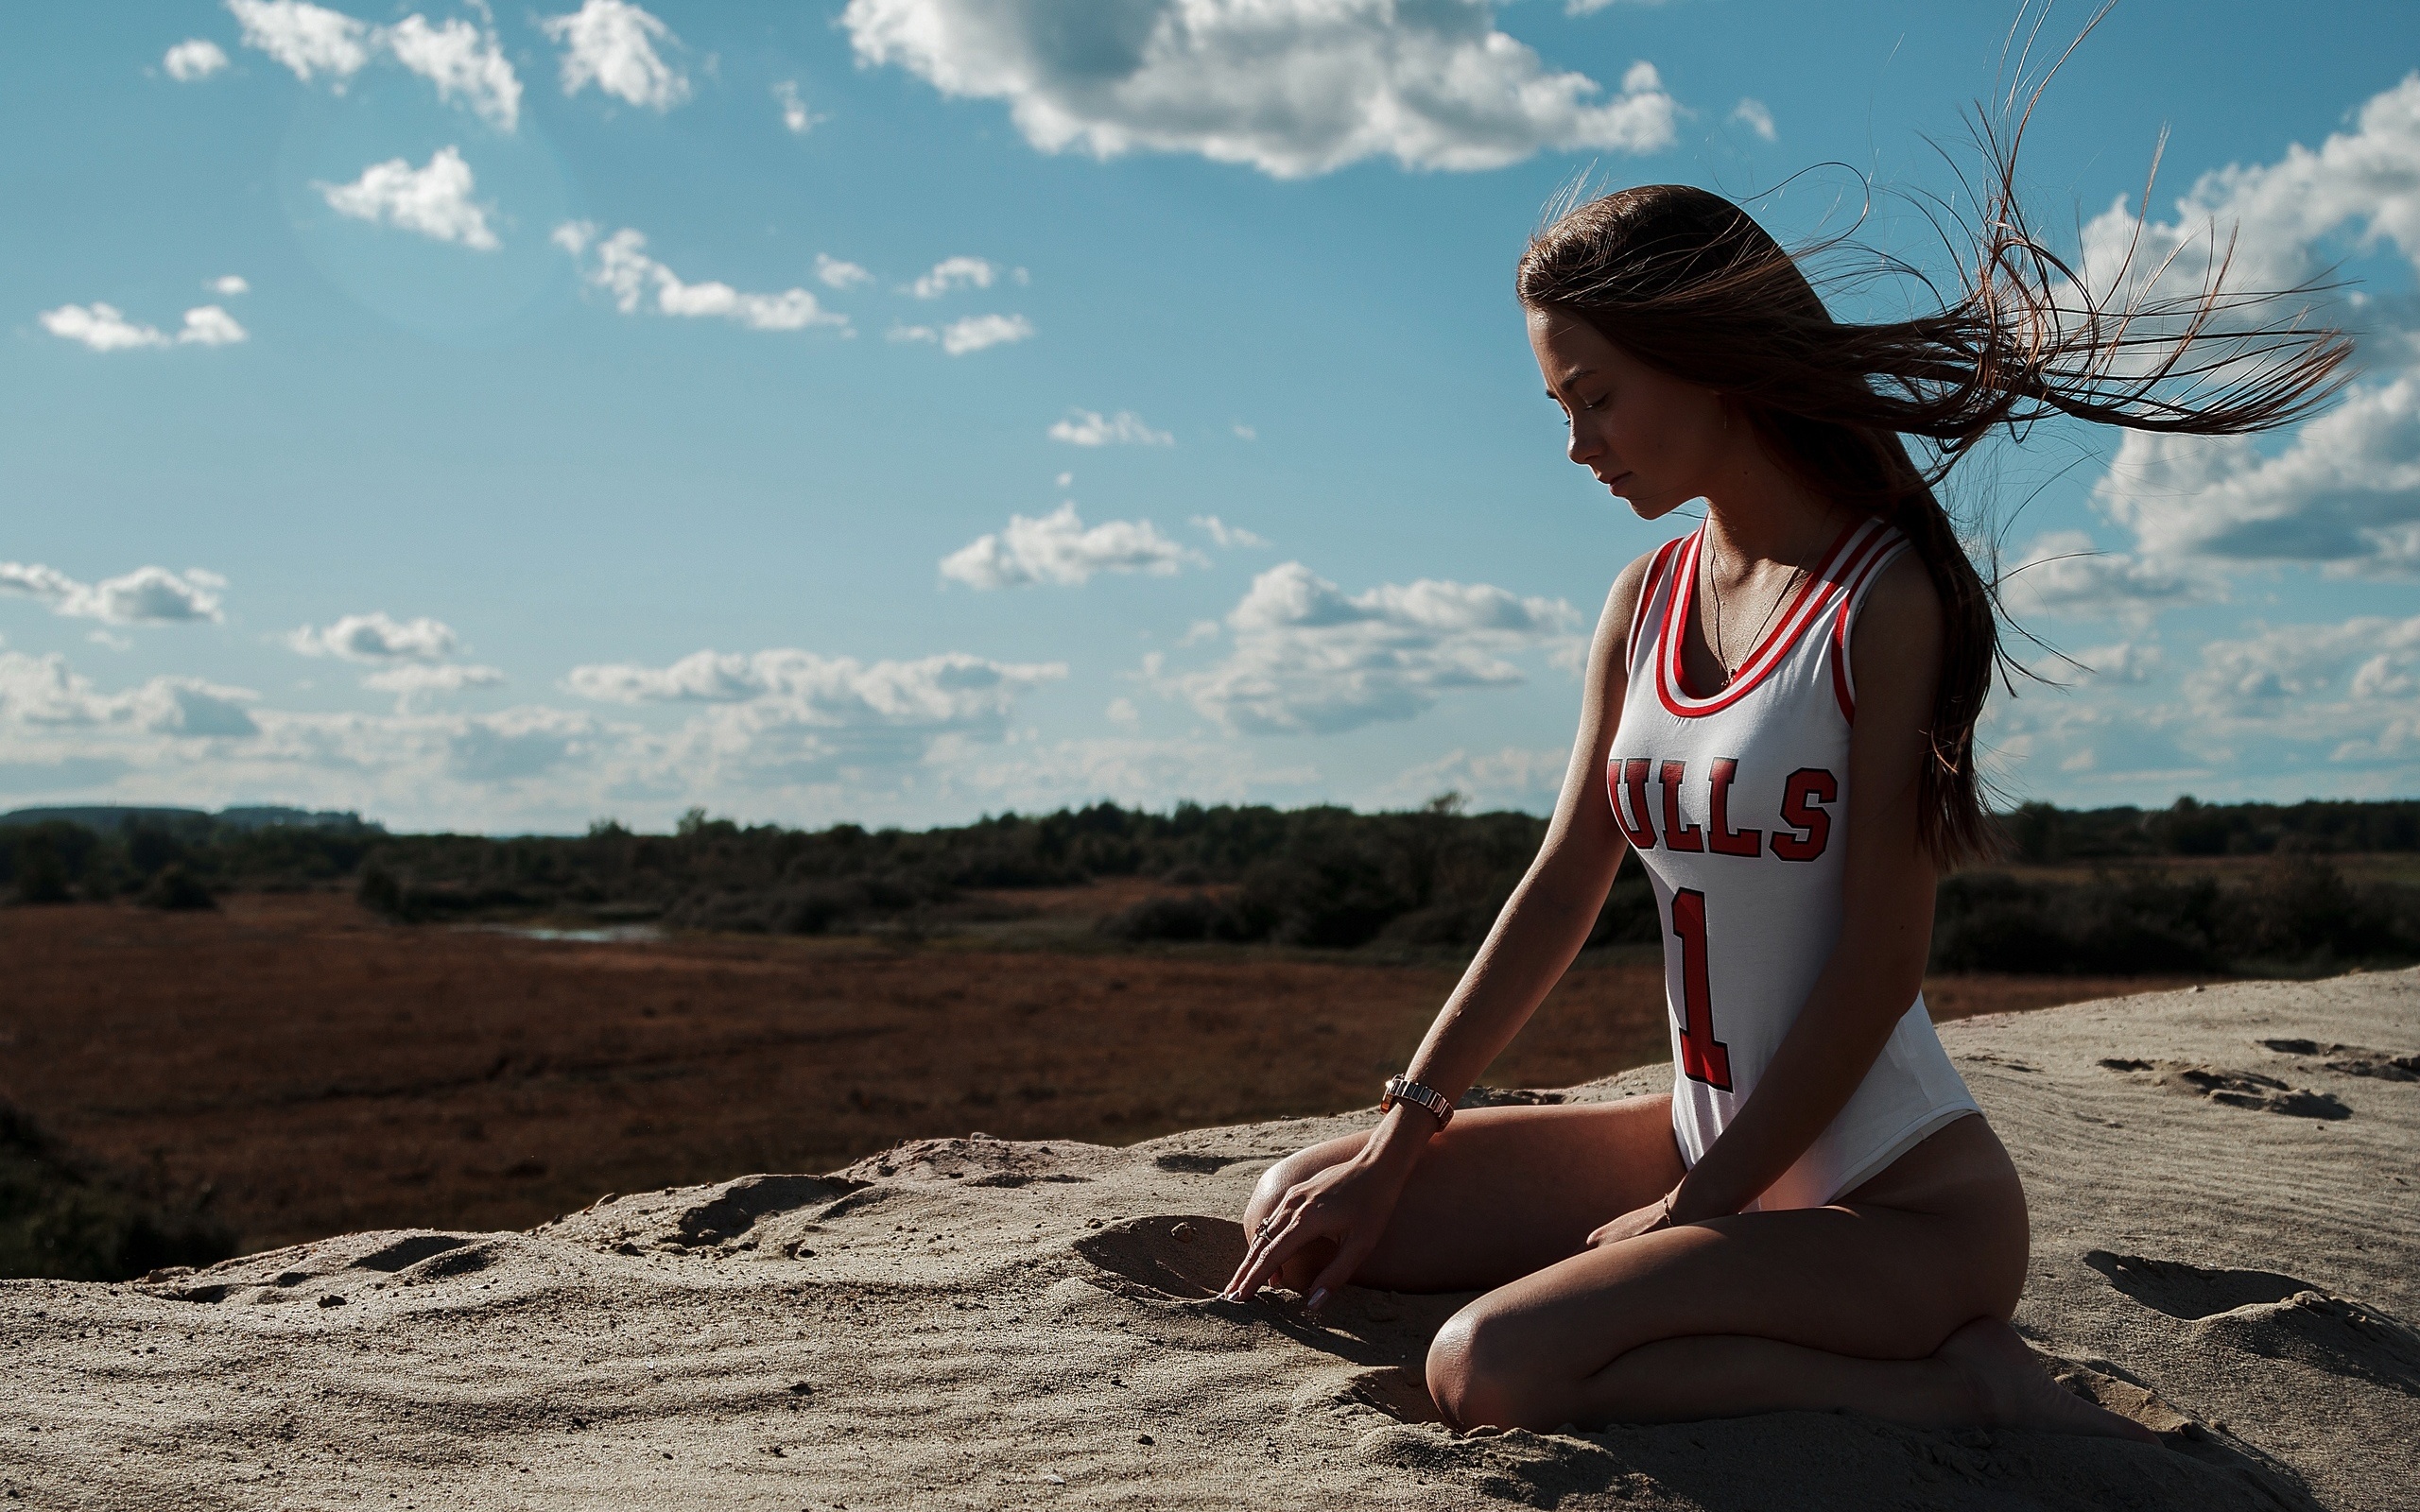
1617 481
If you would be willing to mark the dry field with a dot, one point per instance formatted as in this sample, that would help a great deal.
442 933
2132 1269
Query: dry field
318 1071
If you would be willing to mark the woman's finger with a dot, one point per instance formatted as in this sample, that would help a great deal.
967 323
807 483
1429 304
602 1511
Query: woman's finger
1282 1242
1348 1260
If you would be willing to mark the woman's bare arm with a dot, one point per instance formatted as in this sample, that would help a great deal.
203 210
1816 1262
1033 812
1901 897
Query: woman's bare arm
1542 926
1886 932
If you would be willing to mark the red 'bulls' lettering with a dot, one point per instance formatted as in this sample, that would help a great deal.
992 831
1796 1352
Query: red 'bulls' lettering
1720 836
1807 786
1678 834
1641 835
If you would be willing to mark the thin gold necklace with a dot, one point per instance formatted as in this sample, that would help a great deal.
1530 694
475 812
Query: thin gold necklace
1714 598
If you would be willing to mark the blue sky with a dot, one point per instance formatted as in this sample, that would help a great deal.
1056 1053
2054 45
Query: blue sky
905 409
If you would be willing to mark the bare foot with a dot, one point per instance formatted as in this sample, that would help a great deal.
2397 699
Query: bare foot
2014 1391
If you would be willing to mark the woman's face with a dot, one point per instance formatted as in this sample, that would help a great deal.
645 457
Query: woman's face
1653 440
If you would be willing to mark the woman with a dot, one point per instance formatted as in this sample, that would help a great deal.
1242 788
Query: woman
1779 719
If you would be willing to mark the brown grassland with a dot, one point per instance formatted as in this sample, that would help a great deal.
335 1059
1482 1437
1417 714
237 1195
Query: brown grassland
306 1069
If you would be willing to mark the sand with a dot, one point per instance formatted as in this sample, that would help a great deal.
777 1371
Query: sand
2225 1238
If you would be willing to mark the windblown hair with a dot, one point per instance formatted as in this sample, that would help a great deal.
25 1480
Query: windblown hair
1686 282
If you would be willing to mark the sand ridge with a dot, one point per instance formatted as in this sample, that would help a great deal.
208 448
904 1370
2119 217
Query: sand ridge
978 1322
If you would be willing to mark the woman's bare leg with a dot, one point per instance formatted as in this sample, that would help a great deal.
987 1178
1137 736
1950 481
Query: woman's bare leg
1501 1192
1891 1302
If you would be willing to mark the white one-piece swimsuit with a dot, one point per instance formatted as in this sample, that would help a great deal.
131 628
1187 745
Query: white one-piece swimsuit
1737 803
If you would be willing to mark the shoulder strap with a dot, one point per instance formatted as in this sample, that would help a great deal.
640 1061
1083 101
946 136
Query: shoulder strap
1844 619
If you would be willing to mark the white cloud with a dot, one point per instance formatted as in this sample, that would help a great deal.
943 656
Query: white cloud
1292 87
785 717
611 43
101 327
2346 489
229 286
2296 670
1245 432
378 637
41 691
310 39
147 595
1084 427
207 325
2064 573
194 58
435 201
1511 777
636 281
461 60
837 274
1227 536
1308 658
1122 712
953 273
414 683
466 62
1752 113
1060 548
105 328
977 332
795 119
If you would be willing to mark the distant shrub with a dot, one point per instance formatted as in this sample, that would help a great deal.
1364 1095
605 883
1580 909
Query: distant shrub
65 1219
175 888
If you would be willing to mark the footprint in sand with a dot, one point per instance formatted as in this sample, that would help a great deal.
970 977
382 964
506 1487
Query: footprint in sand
2273 1315
2236 1088
2351 1060
1183 1256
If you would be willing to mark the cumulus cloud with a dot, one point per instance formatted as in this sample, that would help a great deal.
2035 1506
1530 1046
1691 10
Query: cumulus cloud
1227 536
788 717
621 266
1059 548
953 273
434 200
973 334
414 683
1290 86
1510 777
464 63
1084 427
378 637
837 274
229 286
105 328
147 595
2064 573
2346 489
1753 114
1308 658
2303 667
42 692
310 39
195 58
611 45
795 119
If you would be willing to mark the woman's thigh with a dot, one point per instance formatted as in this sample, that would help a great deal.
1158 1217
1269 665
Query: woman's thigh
1501 1192
1859 1278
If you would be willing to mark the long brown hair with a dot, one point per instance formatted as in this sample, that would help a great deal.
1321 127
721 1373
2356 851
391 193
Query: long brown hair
1688 283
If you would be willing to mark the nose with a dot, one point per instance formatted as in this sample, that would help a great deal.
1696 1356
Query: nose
1585 444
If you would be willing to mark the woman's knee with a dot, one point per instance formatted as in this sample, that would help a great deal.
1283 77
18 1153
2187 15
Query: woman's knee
1274 1182
1480 1376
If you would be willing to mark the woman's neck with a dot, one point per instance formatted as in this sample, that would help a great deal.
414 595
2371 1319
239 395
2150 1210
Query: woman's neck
1758 512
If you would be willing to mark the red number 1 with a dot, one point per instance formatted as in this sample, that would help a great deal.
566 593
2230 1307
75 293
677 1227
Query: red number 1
1703 1057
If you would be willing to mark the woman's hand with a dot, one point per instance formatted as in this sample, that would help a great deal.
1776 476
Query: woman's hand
1656 1215
1348 1204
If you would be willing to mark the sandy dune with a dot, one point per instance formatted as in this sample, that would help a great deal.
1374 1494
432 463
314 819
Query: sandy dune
2227 1243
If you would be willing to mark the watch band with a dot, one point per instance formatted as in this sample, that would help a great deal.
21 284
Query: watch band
1398 1089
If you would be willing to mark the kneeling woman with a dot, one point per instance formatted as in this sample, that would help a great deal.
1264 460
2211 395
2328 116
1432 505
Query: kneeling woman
1779 719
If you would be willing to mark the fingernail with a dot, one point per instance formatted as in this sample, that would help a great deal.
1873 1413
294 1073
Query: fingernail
1319 1299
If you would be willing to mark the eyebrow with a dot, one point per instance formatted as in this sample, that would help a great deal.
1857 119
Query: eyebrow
1570 378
